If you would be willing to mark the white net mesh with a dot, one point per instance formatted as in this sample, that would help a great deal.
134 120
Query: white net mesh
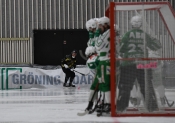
145 58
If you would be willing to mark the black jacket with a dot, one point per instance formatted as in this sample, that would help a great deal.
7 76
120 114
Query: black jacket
69 61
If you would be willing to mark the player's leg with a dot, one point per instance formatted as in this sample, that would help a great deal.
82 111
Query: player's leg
104 76
67 76
93 93
152 106
91 100
150 98
127 79
161 91
135 96
72 76
157 82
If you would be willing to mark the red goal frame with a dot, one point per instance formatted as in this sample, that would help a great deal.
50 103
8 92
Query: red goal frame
110 12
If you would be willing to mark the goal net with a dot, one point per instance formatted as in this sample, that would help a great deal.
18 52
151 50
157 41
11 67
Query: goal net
142 58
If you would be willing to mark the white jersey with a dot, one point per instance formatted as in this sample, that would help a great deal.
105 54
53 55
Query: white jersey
102 46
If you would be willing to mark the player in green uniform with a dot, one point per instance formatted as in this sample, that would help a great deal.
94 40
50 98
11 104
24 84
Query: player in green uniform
102 46
91 26
92 64
132 46
157 82
101 64
92 61
157 76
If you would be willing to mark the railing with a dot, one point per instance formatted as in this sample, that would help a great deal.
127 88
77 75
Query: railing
16 51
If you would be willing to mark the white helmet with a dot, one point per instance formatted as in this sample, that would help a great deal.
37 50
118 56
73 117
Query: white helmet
96 19
103 20
90 50
91 23
136 21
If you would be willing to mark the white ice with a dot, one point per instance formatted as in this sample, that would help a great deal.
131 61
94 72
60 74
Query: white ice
57 105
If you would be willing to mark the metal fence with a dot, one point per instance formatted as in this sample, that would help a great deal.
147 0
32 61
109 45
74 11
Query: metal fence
15 51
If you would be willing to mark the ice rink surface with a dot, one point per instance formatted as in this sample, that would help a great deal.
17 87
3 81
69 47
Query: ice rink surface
57 105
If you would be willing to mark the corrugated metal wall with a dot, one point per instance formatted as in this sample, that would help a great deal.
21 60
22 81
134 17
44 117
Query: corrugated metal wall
18 18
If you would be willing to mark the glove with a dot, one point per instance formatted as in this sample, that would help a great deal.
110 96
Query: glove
66 66
72 69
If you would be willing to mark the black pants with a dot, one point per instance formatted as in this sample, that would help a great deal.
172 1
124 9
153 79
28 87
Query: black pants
128 76
69 75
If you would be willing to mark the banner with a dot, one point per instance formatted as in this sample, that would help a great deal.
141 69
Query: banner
26 77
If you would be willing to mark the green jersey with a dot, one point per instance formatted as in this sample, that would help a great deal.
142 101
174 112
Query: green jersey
91 34
93 37
132 44
97 33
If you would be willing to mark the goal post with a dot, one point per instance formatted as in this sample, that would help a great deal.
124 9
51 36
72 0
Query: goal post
112 60
142 68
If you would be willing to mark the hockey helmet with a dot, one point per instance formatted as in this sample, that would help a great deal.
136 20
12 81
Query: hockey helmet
90 50
74 51
91 24
136 21
103 20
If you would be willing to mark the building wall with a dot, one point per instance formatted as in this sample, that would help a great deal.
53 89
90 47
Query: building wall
19 17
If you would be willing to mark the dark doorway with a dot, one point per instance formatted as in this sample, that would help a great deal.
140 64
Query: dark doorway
50 46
